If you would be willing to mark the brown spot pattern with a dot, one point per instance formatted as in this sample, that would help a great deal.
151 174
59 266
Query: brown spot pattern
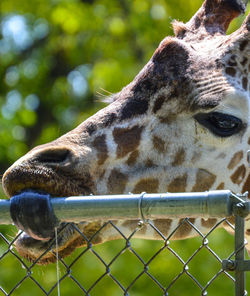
132 157
163 225
230 220
208 223
90 231
149 163
238 176
100 145
243 45
204 180
149 185
179 157
179 184
235 160
159 144
245 83
221 186
232 61
244 61
101 174
231 71
158 103
169 51
127 139
117 182
185 228
91 127
246 186
133 106
108 119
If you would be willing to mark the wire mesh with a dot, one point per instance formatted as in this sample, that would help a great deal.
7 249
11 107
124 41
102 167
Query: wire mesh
209 264
167 270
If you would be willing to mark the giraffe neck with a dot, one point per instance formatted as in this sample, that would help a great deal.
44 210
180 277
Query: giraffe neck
157 229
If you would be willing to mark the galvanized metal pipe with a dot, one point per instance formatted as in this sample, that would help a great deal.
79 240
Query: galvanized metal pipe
133 206
5 212
239 256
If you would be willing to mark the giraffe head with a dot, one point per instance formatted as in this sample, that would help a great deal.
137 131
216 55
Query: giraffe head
181 125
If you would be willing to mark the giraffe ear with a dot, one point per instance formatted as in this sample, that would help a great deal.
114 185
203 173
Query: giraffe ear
240 39
213 17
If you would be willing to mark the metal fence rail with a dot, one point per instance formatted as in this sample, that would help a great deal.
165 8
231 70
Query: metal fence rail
146 208
217 204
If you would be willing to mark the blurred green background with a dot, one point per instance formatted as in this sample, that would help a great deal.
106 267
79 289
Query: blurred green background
58 61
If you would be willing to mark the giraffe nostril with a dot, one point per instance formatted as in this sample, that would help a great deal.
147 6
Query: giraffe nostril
52 156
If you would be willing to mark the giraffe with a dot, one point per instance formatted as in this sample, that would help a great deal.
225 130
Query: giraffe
182 125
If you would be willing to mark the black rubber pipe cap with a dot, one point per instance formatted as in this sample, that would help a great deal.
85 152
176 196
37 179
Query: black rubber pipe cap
33 213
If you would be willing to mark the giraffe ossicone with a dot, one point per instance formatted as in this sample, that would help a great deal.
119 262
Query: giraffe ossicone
181 125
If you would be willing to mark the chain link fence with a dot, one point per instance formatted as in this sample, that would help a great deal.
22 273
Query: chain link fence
210 264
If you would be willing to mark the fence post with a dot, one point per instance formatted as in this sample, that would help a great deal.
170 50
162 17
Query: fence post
239 255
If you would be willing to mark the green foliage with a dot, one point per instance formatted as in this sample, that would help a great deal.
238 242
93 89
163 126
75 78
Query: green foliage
56 58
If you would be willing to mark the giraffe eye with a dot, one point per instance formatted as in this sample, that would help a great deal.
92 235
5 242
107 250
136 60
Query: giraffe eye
220 124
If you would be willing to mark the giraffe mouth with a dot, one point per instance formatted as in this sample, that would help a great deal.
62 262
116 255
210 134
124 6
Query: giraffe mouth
41 179
66 237
69 237
39 240
36 248
45 251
